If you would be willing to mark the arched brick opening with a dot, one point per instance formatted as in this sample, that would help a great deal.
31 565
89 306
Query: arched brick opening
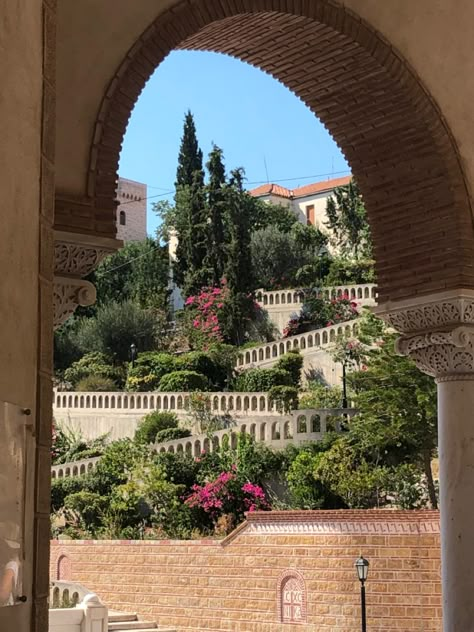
291 597
386 124
63 568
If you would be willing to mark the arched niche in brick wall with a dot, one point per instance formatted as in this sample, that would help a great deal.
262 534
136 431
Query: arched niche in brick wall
376 108
63 568
291 598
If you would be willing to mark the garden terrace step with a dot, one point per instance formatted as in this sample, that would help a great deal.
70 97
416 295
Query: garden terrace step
128 626
119 617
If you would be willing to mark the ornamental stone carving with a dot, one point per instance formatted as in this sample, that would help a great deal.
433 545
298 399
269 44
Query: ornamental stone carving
68 294
437 332
75 256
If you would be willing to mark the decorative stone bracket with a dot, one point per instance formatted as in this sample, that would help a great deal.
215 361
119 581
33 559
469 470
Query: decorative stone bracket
437 332
75 256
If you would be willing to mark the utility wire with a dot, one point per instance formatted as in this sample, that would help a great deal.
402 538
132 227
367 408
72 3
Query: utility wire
318 175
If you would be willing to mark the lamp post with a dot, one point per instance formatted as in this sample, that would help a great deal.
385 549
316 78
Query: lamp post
362 568
344 385
133 353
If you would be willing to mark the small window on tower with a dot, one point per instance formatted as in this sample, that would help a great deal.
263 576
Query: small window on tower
310 215
123 219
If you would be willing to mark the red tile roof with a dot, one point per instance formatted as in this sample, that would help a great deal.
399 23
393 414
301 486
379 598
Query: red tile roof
271 189
309 189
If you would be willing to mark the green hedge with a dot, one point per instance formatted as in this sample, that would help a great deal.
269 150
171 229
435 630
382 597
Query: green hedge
153 423
184 381
262 380
148 370
170 434
92 364
293 363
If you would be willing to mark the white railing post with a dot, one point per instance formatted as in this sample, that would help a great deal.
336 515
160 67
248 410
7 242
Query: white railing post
95 614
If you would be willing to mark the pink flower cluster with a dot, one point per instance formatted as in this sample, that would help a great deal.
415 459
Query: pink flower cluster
208 305
212 496
256 499
224 495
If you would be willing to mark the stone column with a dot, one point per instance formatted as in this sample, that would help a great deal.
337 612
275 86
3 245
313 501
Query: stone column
438 334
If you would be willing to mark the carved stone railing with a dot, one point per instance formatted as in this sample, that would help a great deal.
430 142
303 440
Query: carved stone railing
298 427
308 342
364 294
74 468
179 402
88 615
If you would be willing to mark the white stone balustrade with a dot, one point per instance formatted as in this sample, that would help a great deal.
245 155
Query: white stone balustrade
74 468
90 615
221 402
364 294
311 340
295 428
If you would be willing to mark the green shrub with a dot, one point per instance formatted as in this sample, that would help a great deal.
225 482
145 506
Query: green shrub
153 423
170 434
94 363
284 398
292 362
89 506
204 363
96 383
115 327
262 380
184 381
149 368
62 487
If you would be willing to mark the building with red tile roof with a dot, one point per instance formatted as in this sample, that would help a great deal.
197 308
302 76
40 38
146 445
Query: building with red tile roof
307 202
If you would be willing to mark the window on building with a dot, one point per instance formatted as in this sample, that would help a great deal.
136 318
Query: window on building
310 214
123 219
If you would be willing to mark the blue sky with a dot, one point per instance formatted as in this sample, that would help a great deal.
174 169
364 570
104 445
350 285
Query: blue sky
250 115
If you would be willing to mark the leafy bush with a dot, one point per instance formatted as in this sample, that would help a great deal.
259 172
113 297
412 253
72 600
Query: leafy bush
69 445
262 380
62 487
184 381
318 312
204 363
170 434
284 398
149 368
153 423
97 383
292 362
94 363
321 396
116 327
86 506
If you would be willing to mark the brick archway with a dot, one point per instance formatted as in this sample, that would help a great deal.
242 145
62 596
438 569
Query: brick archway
386 124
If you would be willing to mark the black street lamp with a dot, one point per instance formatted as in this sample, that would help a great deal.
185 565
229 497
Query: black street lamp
344 385
362 568
133 353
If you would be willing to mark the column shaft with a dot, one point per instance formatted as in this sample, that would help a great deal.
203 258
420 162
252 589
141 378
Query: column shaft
456 456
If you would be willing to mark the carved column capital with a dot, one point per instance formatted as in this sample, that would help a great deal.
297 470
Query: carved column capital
437 332
75 256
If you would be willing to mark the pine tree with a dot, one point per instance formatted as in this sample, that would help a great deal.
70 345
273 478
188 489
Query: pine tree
217 202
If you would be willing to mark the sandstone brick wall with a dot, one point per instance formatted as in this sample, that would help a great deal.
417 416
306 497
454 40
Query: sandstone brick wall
235 584
131 196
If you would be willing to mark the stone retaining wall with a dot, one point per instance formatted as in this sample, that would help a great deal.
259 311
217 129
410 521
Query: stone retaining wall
277 570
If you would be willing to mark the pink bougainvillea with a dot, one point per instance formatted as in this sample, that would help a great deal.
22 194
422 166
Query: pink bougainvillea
207 309
226 495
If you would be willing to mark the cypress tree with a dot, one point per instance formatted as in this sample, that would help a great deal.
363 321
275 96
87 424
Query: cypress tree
238 268
190 210
216 199
190 154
